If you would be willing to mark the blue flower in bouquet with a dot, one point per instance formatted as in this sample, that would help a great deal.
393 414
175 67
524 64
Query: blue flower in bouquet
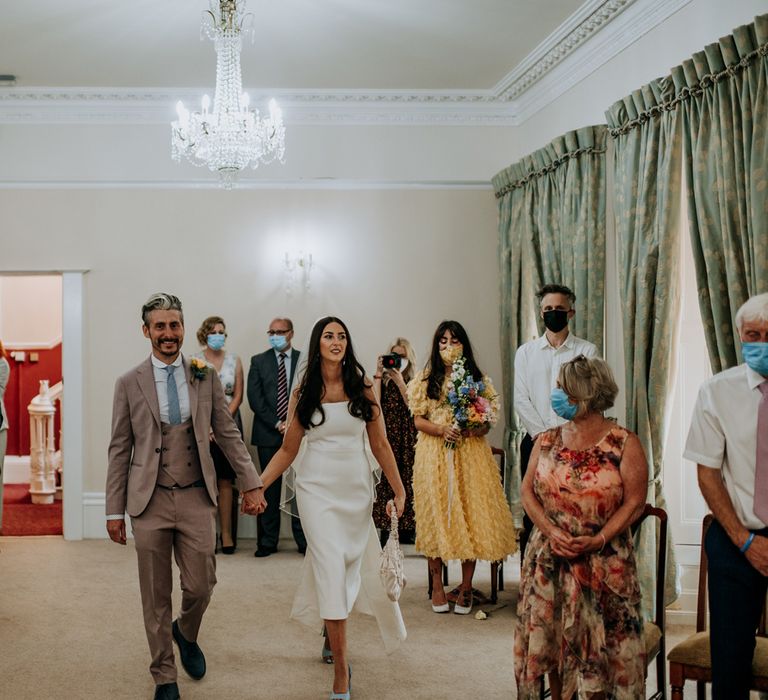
471 405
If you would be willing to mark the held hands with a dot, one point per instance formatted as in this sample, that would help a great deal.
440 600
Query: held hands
116 530
475 432
282 427
569 547
253 502
451 433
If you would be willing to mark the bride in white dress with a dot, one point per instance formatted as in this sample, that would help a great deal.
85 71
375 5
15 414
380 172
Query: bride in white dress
336 442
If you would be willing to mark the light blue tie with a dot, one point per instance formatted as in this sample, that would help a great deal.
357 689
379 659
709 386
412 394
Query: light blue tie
174 411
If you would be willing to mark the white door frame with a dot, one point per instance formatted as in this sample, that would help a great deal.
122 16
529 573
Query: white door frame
72 409
72 406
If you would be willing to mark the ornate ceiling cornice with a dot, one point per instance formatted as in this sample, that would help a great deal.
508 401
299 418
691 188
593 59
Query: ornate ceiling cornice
598 31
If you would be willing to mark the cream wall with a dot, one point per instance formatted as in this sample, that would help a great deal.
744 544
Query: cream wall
30 311
392 262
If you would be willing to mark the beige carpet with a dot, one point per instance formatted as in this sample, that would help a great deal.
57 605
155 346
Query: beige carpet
71 627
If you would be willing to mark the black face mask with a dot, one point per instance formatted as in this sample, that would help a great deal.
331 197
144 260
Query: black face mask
555 320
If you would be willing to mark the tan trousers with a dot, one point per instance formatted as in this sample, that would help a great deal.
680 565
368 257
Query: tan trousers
182 522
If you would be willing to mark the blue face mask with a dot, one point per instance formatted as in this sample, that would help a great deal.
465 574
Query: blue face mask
216 341
278 342
562 405
756 357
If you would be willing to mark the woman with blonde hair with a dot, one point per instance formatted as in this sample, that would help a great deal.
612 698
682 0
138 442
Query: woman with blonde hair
393 372
579 605
212 336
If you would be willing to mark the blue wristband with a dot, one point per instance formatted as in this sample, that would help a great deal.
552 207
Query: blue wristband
745 546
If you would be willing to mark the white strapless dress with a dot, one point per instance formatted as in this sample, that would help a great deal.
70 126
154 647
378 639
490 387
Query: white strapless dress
335 480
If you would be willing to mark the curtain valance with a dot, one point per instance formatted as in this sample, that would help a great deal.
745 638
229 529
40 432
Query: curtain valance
587 140
723 60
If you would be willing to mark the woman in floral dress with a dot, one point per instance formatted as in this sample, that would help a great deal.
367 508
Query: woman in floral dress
461 511
390 385
579 606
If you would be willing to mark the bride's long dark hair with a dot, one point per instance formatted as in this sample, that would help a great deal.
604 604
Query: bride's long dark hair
435 369
312 388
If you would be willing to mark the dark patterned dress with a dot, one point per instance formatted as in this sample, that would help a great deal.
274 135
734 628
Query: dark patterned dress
580 617
401 434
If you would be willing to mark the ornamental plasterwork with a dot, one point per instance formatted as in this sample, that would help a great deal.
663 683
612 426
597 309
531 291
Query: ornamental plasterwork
519 94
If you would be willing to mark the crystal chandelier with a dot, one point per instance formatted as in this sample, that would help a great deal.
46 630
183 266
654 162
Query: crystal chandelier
231 136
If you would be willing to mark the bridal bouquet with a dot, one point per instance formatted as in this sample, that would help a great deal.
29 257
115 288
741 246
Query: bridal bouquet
472 403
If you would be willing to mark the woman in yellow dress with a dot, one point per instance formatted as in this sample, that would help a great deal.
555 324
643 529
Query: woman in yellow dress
459 503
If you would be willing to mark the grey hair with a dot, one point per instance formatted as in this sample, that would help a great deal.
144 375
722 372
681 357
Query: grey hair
160 301
753 309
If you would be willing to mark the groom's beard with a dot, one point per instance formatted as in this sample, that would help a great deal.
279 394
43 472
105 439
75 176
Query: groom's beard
169 347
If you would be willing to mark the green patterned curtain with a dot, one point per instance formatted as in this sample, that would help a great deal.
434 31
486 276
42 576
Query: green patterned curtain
723 93
565 201
647 192
515 325
551 214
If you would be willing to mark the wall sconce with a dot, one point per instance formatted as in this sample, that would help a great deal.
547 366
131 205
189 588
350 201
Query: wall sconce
298 272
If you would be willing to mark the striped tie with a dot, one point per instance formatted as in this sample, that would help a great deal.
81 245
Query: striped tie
761 458
282 389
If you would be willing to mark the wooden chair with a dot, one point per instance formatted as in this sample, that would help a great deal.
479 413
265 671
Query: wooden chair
653 630
497 567
690 660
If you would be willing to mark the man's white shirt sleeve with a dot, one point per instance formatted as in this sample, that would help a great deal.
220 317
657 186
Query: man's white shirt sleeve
706 440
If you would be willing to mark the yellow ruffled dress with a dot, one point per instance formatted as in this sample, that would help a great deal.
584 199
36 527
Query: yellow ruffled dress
459 504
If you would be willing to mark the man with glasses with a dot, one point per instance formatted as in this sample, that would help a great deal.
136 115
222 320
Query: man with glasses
269 383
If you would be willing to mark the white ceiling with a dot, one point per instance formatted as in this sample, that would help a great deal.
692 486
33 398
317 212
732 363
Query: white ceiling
301 44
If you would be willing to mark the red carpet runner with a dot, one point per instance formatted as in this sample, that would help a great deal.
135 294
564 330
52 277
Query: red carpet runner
22 517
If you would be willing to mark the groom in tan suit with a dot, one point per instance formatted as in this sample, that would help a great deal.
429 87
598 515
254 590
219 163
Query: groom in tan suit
161 473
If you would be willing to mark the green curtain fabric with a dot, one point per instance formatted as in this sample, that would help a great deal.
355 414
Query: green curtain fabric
723 94
551 229
515 326
647 192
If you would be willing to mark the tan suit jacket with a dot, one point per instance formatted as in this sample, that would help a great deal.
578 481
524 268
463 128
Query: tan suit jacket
135 447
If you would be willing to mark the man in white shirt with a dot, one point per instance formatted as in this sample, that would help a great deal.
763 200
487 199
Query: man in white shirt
537 364
728 440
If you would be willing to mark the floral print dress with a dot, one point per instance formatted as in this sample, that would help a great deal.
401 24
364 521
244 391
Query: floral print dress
580 617
401 434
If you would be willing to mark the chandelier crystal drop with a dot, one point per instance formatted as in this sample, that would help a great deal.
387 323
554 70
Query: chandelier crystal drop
231 136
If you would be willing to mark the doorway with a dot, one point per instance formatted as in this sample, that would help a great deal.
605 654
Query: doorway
31 386
69 430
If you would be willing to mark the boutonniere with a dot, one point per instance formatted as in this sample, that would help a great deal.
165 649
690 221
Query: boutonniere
198 368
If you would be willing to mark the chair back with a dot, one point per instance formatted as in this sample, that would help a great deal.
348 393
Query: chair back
502 455
657 651
661 557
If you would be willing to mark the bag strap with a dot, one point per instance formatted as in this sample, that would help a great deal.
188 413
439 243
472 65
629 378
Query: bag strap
393 520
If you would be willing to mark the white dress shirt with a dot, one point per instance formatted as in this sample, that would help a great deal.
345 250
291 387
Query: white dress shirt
161 385
723 435
537 365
